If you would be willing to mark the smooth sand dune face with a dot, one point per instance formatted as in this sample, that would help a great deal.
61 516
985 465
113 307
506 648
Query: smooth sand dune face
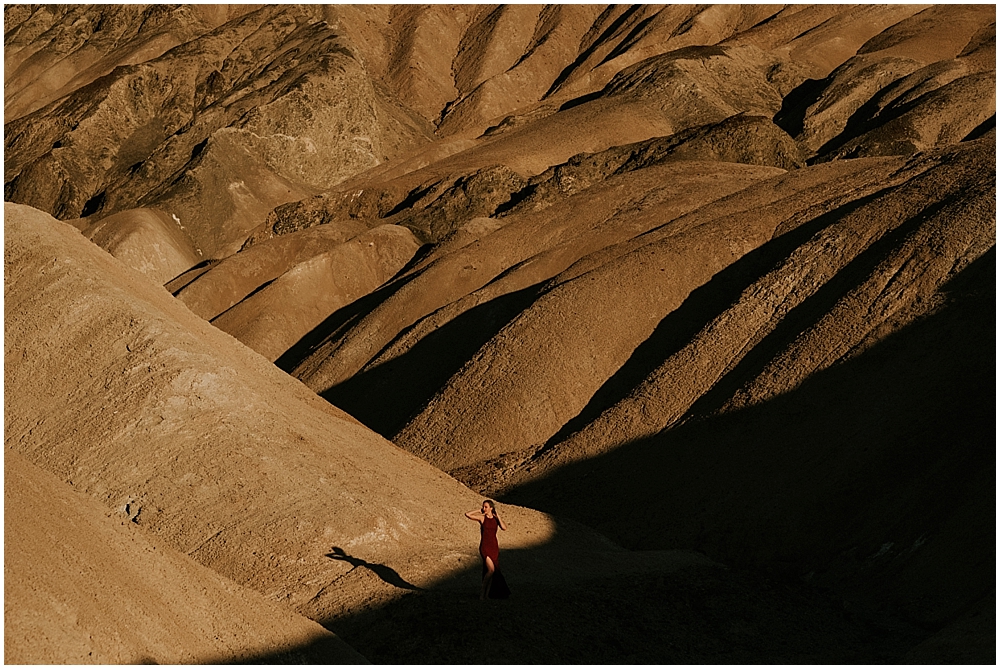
86 586
686 274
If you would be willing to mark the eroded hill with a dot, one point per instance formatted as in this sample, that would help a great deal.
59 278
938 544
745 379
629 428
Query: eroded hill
709 278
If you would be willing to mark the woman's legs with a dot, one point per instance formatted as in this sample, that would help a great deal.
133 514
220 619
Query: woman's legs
487 577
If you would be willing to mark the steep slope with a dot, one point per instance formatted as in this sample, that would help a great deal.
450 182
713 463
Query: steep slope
52 50
116 388
278 315
758 71
216 116
658 97
883 496
146 240
209 133
909 71
941 116
225 283
832 413
459 269
876 266
544 366
85 586
710 277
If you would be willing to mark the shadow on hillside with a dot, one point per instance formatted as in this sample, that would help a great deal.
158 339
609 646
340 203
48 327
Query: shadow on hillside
342 319
876 476
388 395
681 612
705 303
388 575
854 514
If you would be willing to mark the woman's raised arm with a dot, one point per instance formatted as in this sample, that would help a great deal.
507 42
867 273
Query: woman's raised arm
474 515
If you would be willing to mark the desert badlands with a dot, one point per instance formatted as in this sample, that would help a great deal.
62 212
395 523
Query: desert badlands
703 296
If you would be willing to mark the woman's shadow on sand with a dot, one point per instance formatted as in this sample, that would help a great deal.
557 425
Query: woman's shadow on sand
387 574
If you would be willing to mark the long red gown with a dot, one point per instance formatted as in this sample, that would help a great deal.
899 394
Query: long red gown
488 546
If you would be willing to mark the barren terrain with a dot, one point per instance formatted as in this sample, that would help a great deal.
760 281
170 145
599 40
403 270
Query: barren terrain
704 296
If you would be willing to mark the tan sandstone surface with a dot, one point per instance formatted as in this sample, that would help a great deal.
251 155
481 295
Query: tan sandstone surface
703 295
221 456
93 589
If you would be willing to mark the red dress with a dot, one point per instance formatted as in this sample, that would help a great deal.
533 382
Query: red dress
488 547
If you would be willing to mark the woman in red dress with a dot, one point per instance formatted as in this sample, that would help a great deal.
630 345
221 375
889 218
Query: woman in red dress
489 549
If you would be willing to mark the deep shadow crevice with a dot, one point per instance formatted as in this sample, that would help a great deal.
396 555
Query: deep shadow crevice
697 311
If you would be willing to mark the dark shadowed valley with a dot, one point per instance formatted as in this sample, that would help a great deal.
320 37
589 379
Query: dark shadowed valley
704 296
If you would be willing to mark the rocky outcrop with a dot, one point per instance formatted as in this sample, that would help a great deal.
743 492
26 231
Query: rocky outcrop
51 51
173 109
207 134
